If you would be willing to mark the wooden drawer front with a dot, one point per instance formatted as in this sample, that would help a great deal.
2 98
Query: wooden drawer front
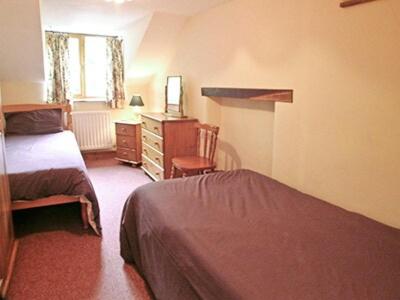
153 140
153 169
126 154
152 125
125 141
125 129
155 156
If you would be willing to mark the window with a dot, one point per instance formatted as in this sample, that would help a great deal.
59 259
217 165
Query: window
87 66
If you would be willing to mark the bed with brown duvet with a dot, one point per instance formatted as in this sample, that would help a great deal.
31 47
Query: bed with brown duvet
241 235
43 160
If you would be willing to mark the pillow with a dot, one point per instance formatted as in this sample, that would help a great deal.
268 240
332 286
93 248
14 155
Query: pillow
34 122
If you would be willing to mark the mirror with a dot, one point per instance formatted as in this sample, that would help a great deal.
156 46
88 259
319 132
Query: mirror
173 96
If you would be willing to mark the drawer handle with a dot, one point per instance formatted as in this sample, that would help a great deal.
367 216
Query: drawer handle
123 129
157 159
124 141
124 153
145 151
157 144
145 165
144 137
144 123
156 128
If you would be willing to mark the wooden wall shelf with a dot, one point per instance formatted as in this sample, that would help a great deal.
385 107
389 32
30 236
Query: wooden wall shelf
348 3
253 94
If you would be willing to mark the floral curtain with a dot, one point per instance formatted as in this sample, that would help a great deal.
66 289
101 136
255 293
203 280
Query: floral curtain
57 67
115 74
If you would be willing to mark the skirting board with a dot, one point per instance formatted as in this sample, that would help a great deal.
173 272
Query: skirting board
99 154
10 268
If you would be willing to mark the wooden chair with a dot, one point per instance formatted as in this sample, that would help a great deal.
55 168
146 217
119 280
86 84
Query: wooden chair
204 161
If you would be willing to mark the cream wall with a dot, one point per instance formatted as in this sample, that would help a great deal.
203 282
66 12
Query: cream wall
21 51
340 139
21 44
133 36
148 55
15 92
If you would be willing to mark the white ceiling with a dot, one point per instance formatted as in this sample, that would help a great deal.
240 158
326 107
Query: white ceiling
99 16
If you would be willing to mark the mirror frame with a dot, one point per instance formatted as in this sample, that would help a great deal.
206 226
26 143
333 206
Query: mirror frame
173 109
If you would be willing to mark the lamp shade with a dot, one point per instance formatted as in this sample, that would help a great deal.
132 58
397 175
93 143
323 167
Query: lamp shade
136 101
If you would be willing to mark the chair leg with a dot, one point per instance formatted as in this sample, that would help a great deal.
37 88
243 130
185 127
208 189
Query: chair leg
84 216
172 172
206 171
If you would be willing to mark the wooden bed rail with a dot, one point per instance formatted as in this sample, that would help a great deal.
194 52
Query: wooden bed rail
53 200
66 108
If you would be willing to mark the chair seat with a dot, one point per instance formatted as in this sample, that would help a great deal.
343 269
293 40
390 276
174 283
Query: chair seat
193 163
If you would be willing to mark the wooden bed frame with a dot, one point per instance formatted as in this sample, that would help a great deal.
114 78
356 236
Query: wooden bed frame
55 199
66 108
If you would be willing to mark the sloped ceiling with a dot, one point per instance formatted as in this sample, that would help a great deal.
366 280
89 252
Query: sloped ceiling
21 44
151 53
100 16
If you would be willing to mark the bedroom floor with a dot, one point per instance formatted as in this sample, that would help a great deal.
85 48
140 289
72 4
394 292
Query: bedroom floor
58 260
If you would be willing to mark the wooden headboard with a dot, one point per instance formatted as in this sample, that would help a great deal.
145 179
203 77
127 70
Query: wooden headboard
66 109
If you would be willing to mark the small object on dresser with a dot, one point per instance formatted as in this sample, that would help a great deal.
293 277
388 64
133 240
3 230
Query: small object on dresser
136 102
129 141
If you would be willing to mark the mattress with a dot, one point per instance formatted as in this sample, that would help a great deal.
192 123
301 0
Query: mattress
43 165
242 235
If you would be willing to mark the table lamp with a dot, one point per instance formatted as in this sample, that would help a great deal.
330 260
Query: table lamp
135 102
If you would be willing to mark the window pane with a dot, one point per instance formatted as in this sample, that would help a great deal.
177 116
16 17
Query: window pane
74 66
95 66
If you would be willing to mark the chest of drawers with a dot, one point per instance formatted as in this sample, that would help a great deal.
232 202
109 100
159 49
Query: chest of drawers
163 138
129 142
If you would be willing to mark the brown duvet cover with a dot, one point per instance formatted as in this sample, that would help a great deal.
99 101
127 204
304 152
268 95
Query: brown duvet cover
241 235
43 165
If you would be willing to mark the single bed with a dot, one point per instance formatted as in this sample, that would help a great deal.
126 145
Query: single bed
48 169
242 235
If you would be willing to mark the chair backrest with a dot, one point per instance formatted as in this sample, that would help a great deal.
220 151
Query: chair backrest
206 140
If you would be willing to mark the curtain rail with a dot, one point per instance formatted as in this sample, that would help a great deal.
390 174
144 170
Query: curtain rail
87 34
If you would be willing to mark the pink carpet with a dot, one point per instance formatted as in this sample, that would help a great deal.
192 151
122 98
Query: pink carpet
58 260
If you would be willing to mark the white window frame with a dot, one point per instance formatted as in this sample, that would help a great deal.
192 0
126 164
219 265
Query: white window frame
82 96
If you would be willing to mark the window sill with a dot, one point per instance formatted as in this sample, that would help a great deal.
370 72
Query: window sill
89 100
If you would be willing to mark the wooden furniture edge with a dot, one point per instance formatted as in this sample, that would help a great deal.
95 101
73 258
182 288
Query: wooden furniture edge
10 270
273 95
151 133
52 200
153 162
92 155
148 173
154 149
65 107
128 161
161 117
349 3
128 122
47 201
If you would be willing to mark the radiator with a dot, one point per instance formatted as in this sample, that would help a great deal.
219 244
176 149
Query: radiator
93 129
